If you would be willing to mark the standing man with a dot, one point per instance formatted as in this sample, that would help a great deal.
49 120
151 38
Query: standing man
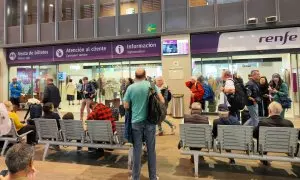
254 98
51 94
136 98
88 91
15 93
229 90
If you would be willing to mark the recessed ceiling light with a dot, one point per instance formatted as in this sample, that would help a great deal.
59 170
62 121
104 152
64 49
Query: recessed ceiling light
51 5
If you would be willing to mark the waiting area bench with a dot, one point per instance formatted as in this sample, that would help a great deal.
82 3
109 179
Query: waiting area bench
240 140
97 134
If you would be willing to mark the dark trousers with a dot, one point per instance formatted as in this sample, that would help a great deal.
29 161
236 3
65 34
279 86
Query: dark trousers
31 137
263 108
15 101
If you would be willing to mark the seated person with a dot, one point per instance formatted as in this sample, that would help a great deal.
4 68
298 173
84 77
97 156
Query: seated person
68 116
102 112
194 118
21 128
224 119
49 113
19 161
274 120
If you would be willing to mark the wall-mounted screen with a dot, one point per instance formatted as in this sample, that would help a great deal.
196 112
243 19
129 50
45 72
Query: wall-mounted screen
175 47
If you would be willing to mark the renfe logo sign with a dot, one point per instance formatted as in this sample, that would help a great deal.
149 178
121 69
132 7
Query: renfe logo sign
283 39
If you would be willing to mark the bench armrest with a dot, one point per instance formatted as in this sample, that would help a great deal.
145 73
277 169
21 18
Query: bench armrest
215 144
24 134
116 138
254 141
298 154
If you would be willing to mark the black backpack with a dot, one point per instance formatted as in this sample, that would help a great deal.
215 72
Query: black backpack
35 111
157 111
238 100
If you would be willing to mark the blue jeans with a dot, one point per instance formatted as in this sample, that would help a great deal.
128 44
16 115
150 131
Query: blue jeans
143 131
253 111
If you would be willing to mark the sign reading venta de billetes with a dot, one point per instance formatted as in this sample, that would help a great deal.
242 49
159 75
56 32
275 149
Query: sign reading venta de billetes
29 55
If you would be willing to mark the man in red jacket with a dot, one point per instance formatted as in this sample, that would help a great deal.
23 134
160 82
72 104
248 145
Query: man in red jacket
196 89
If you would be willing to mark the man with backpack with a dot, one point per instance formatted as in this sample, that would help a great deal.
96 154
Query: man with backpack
160 83
88 91
137 99
253 98
235 94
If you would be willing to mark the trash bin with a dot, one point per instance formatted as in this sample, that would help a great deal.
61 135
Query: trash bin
177 106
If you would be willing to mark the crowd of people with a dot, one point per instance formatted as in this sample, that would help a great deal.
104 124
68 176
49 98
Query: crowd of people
266 103
258 96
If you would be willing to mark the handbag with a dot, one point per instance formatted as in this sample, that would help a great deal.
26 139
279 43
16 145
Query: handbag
285 101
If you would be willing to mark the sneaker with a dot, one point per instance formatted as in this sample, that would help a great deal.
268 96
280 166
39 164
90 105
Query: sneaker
266 163
161 133
79 149
231 161
55 147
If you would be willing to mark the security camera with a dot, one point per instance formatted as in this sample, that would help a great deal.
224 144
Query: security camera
271 19
252 21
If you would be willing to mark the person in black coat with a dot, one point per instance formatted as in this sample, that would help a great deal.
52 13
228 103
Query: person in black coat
51 94
274 120
264 104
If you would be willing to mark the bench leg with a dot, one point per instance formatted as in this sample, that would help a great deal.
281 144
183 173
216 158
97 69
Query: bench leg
46 151
196 163
130 156
4 147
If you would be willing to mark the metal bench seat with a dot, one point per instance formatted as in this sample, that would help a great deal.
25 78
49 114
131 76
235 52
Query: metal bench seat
98 135
240 138
12 137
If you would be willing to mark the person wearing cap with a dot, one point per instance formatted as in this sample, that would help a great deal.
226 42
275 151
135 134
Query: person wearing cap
196 89
15 92
278 88
224 119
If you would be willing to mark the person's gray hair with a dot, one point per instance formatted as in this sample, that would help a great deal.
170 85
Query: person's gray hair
19 157
275 108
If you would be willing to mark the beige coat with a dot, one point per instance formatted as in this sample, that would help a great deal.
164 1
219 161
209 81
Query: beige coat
71 89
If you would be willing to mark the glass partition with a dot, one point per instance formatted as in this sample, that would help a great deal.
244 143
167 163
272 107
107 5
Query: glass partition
107 8
48 11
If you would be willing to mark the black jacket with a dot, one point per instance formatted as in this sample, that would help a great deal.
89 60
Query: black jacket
53 115
230 121
272 121
89 87
253 90
51 94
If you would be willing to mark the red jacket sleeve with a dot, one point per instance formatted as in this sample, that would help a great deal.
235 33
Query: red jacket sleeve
188 84
199 92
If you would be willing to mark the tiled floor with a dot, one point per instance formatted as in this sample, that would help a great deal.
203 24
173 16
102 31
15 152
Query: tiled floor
70 165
